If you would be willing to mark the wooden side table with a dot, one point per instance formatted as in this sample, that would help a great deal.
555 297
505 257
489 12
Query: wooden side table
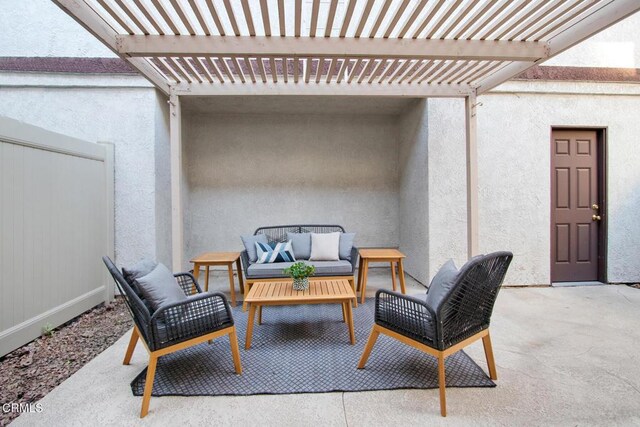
392 256
219 258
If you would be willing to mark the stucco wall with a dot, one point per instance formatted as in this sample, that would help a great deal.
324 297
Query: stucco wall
123 116
40 28
447 183
514 178
514 125
250 170
163 180
618 46
414 189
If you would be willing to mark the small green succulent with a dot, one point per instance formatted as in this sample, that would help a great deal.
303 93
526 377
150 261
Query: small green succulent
300 270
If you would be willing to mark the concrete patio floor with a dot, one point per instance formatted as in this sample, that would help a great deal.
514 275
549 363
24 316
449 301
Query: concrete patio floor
565 356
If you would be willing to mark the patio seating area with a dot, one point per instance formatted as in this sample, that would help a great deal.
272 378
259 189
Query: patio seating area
547 375
175 140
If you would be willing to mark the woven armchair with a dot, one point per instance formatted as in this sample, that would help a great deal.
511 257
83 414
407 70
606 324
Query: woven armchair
203 317
462 317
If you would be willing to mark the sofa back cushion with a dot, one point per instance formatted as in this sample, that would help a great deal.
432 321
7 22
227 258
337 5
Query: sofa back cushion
250 245
346 244
301 243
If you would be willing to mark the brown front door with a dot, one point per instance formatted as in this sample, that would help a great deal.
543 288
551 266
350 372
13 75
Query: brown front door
575 205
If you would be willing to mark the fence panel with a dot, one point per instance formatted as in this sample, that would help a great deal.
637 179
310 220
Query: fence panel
56 221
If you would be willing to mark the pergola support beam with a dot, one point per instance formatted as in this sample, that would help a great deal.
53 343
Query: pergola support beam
413 90
472 174
177 221
365 47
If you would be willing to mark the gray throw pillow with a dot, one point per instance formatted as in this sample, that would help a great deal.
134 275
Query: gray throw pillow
301 243
346 244
250 245
160 288
141 268
441 284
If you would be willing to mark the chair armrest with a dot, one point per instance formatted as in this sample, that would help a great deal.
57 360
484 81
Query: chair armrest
406 315
244 256
199 315
354 258
187 282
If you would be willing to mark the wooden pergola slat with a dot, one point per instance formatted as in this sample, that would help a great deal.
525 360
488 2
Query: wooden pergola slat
441 42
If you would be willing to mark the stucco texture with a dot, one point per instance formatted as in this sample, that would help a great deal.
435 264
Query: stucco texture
414 189
514 177
251 170
40 28
99 114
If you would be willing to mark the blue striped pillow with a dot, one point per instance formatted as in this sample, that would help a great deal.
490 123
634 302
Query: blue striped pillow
274 252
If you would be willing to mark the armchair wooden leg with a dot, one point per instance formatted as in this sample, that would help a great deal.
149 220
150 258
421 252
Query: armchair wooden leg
132 346
488 352
442 383
373 336
235 350
344 314
260 315
148 386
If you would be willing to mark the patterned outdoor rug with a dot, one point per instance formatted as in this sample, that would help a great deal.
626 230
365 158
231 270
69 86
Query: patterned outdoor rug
305 349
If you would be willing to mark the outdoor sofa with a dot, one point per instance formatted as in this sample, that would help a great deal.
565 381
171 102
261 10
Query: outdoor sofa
344 268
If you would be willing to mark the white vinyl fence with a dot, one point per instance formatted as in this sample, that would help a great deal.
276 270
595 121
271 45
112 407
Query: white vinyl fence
56 222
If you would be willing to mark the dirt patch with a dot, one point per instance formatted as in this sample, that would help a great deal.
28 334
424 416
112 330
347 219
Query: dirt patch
635 285
32 371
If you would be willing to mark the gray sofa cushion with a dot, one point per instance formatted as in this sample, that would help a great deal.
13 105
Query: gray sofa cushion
301 244
441 284
160 288
323 268
250 245
346 244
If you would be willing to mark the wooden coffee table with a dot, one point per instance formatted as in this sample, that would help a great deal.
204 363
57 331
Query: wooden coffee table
281 293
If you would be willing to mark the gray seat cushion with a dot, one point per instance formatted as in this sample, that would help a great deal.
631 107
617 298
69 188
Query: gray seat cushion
250 245
160 288
323 268
442 282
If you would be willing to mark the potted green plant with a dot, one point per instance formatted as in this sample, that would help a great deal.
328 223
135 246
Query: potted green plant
300 273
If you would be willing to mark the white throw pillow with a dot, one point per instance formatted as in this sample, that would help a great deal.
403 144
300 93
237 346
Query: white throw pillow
325 247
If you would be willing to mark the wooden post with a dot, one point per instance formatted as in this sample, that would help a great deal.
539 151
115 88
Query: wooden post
177 225
472 175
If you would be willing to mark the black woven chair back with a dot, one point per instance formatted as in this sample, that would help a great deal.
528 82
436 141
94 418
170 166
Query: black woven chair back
467 308
278 233
137 308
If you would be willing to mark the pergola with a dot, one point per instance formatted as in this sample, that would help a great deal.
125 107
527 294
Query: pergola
397 48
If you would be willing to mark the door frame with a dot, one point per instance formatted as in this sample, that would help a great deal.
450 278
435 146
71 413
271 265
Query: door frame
603 171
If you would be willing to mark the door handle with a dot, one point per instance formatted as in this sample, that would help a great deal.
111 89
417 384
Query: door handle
595 207
596 217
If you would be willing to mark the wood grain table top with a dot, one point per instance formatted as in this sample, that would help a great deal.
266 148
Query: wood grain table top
319 290
385 253
216 257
